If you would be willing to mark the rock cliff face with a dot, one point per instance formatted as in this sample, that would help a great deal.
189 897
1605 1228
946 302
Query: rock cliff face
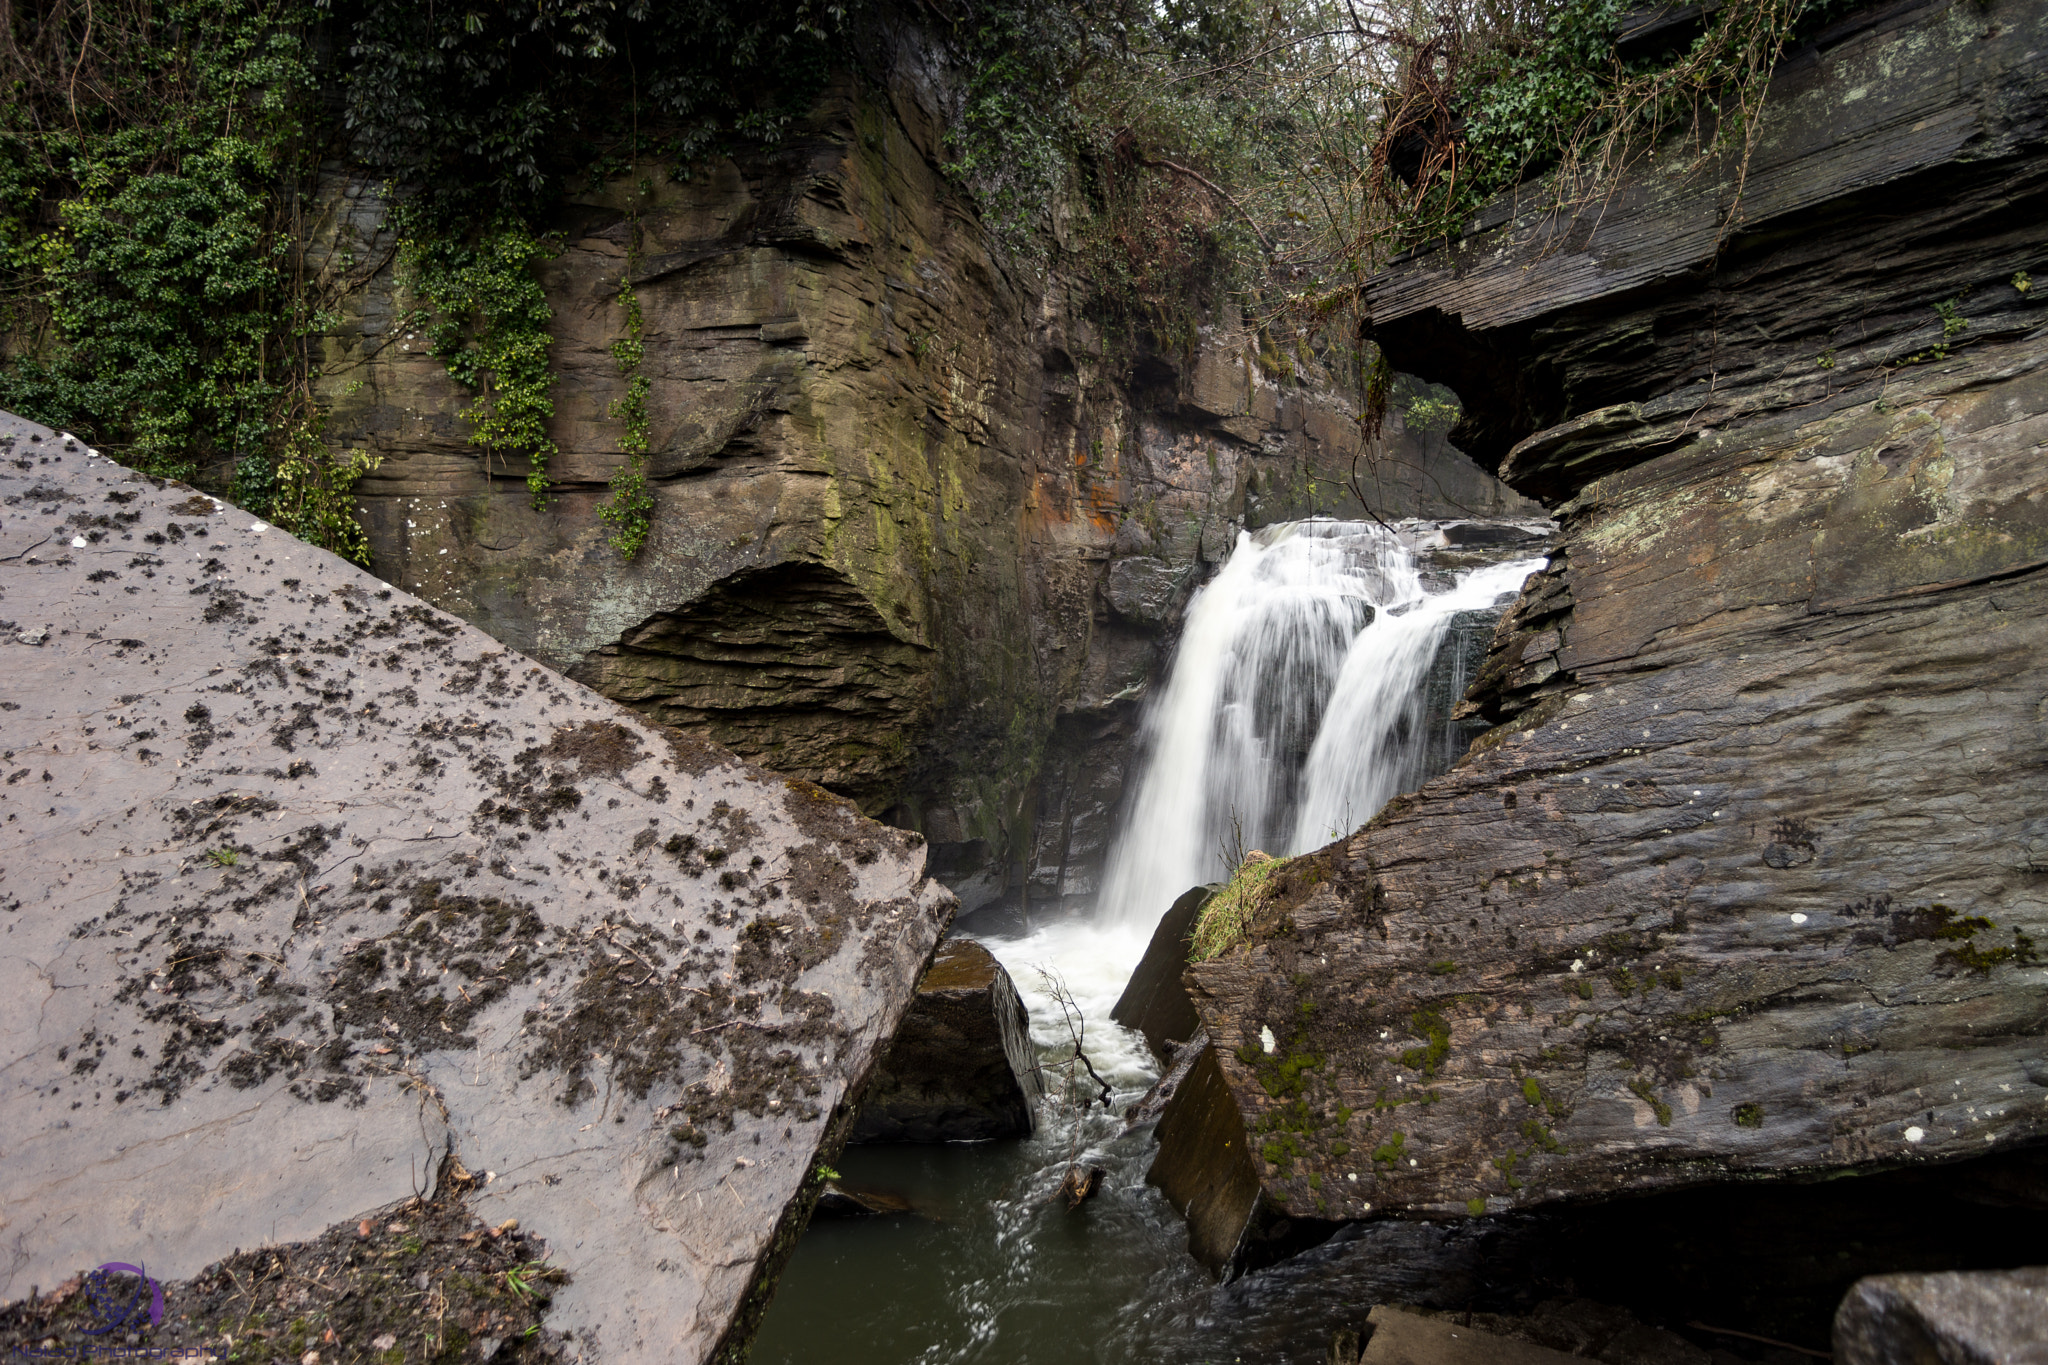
921 526
1748 880
314 896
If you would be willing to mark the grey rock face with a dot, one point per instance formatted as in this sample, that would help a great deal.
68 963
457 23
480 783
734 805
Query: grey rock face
1154 1002
1980 1318
1144 590
307 885
961 1067
1745 879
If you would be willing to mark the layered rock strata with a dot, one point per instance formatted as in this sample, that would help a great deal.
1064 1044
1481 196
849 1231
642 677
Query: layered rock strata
315 896
1747 880
919 525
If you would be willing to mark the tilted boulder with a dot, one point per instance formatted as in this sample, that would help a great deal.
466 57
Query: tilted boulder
1985 1317
961 1068
308 886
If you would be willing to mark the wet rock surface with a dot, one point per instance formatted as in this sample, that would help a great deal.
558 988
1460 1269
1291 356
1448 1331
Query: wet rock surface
308 885
1155 1003
1747 879
1403 1338
1985 1318
961 1067
1203 1167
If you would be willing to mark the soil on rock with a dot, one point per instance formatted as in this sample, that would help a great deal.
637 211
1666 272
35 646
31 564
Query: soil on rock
420 1282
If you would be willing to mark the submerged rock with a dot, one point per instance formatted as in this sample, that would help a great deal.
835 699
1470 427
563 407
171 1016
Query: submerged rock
961 1067
311 891
1404 1338
838 1200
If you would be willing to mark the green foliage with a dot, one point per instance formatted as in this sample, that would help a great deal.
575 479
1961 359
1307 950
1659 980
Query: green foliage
1749 1116
147 285
485 108
221 857
310 495
630 508
1226 919
487 317
1391 1152
1952 320
1428 416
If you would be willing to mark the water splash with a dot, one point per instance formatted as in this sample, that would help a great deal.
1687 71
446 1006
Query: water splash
1294 707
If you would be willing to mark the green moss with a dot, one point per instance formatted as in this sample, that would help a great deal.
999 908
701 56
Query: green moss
1426 1059
1643 1092
1980 960
1506 1166
1531 1091
1749 1116
1340 1148
1534 1130
1390 1152
1445 968
1475 1206
1584 989
1624 982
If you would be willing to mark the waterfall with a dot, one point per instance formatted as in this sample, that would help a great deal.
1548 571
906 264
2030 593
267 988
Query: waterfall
1294 707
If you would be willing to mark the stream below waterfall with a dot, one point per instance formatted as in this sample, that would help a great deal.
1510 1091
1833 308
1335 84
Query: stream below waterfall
1299 700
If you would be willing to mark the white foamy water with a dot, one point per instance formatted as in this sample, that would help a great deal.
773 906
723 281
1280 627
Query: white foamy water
1293 709
1284 706
1372 733
1095 961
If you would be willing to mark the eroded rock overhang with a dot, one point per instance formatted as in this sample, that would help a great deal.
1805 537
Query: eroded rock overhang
308 885
1751 877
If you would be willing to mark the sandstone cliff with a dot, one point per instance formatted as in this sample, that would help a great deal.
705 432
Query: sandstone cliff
1749 878
921 525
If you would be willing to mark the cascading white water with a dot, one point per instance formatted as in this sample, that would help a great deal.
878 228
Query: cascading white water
1293 709
1295 703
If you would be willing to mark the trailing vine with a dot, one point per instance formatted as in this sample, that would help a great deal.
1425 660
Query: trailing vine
630 508
488 318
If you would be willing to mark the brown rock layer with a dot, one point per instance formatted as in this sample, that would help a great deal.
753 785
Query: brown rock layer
961 1067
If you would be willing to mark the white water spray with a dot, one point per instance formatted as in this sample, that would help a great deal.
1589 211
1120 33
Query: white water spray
1294 707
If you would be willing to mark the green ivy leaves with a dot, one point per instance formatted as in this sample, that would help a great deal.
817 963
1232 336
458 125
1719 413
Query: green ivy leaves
488 319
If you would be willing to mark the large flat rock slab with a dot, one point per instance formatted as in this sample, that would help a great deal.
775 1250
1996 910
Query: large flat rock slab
306 886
